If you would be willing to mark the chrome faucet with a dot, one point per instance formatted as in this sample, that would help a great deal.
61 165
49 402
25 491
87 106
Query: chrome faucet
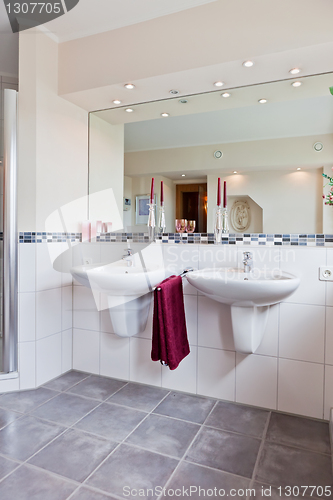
247 261
128 257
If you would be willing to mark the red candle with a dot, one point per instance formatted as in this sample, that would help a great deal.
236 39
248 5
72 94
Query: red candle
225 195
162 193
152 190
219 192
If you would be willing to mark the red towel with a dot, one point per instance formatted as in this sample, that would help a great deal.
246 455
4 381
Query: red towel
170 343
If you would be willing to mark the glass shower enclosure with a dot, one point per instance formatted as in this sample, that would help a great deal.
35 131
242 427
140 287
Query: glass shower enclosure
8 228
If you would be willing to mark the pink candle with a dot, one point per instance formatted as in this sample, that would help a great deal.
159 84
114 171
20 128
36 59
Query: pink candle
152 190
225 195
162 193
219 192
93 231
85 229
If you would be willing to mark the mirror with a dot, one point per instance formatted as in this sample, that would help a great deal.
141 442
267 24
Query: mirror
272 155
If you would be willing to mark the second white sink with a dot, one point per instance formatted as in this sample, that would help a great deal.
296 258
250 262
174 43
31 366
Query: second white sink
235 287
249 294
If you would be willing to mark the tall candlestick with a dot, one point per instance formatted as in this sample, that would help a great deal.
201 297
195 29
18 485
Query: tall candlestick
225 195
219 192
162 192
152 190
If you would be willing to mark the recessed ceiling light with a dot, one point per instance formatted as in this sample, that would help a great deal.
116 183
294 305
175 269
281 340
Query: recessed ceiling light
183 175
116 101
226 94
183 101
299 168
235 171
248 64
129 86
294 71
262 101
296 84
129 110
218 84
174 92
165 115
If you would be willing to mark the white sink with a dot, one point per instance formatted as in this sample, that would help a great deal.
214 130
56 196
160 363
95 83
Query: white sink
126 289
235 287
117 278
249 295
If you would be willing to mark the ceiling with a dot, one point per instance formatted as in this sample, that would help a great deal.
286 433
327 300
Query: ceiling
97 16
212 119
309 117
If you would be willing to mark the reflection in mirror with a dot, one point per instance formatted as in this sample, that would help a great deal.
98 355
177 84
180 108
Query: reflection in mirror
265 152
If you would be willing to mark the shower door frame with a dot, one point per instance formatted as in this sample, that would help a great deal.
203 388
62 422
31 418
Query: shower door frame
10 240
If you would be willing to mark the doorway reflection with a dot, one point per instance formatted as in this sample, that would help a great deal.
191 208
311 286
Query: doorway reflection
191 204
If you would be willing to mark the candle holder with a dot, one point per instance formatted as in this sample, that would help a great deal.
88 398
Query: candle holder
225 223
218 224
151 222
161 219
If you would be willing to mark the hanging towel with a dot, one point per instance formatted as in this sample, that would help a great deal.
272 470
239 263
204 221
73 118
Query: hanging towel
170 344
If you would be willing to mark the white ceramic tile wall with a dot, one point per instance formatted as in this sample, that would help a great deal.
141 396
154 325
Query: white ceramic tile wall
251 386
44 318
286 372
48 358
301 387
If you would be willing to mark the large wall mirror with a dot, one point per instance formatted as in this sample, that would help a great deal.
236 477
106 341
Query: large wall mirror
271 143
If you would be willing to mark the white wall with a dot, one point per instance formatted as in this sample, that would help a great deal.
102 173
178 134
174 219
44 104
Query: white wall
142 185
291 371
291 201
268 154
52 171
128 194
53 139
106 166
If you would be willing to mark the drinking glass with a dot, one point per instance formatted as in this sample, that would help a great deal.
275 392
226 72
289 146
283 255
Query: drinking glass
181 225
190 226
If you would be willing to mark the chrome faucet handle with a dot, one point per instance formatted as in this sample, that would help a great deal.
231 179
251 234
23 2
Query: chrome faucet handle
247 256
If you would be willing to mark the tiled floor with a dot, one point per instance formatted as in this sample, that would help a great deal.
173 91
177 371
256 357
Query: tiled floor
85 437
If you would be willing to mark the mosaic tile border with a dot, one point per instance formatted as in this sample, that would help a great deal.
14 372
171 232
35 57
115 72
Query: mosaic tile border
310 240
35 237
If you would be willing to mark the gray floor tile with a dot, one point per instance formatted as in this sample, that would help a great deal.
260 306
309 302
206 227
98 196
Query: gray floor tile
225 451
141 397
73 455
6 466
297 431
96 387
195 477
23 437
66 381
238 418
31 484
111 421
164 435
65 409
85 494
186 407
26 400
133 468
281 465
7 416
